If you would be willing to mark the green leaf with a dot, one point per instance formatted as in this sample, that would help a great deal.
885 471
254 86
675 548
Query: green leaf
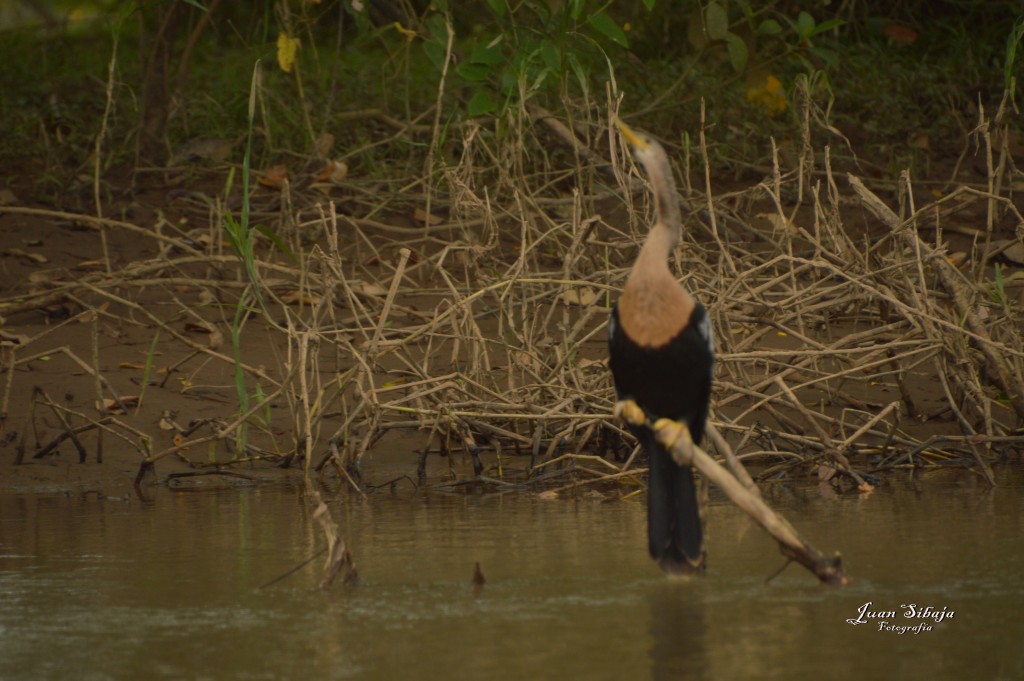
435 53
148 368
608 28
716 20
539 80
438 28
828 25
1010 61
481 103
474 72
579 72
437 44
498 7
508 82
230 182
276 240
235 234
737 52
489 54
830 58
769 27
576 8
649 4
805 25
549 54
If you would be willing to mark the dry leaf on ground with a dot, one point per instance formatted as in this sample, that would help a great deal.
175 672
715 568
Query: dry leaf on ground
274 177
583 296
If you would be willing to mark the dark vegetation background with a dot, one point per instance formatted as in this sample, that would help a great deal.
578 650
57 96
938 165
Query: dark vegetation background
902 81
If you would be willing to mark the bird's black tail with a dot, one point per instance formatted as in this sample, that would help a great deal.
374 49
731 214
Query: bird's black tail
674 530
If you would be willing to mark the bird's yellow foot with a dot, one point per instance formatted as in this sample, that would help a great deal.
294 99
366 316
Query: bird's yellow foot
630 412
676 437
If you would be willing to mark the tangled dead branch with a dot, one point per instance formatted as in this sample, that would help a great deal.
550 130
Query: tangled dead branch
848 345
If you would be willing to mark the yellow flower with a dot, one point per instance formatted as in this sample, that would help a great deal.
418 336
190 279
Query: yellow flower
769 95
286 49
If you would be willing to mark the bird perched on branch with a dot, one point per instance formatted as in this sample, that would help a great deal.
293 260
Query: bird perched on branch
661 354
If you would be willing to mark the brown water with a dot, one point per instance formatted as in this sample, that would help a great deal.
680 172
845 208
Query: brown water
101 589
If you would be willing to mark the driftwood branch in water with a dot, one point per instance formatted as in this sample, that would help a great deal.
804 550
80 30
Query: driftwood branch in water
675 437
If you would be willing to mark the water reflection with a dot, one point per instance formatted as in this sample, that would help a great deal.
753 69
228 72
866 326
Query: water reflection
101 589
678 631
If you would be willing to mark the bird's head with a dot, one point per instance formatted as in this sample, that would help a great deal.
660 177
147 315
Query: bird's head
646 151
651 155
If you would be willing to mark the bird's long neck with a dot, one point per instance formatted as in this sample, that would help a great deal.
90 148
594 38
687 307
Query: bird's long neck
666 201
651 268
654 307
657 248
666 231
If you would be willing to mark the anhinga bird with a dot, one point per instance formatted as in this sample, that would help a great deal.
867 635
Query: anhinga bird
661 354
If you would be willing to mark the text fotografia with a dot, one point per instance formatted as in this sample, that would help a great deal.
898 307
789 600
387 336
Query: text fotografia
888 620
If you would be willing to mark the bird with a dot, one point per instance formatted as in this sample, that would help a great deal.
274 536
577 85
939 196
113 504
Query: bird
661 356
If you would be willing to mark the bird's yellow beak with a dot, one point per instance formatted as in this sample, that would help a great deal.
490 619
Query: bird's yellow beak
631 137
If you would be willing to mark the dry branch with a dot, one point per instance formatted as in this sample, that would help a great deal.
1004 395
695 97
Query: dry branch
480 335
828 570
951 282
